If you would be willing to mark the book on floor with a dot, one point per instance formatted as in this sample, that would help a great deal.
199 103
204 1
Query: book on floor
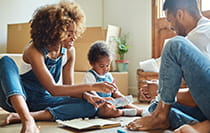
85 124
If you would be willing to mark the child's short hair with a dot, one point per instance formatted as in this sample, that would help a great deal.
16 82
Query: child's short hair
97 50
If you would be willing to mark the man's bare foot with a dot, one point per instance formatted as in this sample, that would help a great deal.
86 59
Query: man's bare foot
157 120
201 127
148 123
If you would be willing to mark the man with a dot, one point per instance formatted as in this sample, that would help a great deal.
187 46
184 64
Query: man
181 59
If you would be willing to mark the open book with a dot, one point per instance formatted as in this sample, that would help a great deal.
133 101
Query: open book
84 124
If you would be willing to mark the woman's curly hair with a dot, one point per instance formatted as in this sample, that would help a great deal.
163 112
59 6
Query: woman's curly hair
50 23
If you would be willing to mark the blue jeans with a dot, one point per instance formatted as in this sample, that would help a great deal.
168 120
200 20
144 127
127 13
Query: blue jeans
181 59
180 114
62 108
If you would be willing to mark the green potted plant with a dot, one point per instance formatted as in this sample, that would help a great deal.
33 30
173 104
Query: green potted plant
122 49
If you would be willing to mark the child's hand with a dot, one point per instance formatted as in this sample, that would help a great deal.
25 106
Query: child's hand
105 87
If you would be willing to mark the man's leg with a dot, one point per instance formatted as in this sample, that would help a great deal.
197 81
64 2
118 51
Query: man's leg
180 58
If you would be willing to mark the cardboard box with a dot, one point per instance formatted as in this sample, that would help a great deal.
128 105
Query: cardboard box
82 46
121 79
18 36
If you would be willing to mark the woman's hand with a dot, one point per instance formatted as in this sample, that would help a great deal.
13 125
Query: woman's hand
95 100
105 87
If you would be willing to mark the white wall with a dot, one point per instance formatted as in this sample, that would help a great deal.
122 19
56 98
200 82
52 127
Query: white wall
16 11
133 16
93 10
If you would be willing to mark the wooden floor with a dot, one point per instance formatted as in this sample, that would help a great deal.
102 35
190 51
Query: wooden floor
53 127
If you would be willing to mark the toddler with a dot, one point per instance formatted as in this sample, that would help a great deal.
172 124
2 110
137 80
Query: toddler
100 58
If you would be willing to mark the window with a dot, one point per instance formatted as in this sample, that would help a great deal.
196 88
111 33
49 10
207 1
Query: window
205 5
160 13
160 27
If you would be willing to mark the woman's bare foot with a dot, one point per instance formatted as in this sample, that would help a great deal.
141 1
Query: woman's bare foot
28 126
9 118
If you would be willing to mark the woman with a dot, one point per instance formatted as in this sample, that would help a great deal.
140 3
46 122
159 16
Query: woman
54 28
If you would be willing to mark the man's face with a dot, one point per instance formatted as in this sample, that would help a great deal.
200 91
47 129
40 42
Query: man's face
176 24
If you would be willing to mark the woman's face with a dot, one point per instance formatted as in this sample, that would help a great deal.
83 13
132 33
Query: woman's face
69 41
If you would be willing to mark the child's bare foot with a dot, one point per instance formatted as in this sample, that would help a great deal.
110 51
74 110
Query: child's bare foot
108 111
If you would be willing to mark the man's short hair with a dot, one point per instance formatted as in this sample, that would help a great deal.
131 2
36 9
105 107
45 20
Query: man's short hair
191 6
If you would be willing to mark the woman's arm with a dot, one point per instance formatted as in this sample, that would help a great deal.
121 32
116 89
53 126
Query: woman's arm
35 58
68 68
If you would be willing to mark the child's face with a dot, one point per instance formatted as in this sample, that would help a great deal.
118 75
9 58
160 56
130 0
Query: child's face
68 42
102 66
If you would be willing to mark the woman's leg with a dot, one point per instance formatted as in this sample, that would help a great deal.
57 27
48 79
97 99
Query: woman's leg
12 95
42 115
76 108
69 108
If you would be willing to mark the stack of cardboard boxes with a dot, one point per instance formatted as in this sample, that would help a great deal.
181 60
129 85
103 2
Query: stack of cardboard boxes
19 36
